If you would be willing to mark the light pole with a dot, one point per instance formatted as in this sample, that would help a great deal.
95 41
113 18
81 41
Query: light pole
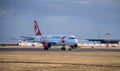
108 35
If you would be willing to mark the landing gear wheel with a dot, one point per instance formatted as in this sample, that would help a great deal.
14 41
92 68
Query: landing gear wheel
63 48
45 48
70 49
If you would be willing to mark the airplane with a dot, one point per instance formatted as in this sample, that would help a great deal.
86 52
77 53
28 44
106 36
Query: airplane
52 40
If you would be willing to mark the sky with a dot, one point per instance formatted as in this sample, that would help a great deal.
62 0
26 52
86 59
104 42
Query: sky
82 18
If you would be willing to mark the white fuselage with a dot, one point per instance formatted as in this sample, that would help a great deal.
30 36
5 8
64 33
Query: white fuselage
57 39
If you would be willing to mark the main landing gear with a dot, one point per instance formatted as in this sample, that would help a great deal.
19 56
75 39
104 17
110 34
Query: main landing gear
45 48
63 48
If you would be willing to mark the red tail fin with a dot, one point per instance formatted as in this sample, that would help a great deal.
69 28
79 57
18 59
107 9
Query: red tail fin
36 29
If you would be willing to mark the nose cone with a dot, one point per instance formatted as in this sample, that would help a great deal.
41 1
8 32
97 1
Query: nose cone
75 43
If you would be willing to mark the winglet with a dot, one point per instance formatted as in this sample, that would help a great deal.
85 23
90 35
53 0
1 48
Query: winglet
36 29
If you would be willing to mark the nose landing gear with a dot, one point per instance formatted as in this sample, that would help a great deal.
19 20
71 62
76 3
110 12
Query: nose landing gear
63 48
70 49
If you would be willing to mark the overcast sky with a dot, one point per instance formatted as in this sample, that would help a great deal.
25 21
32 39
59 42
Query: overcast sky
82 18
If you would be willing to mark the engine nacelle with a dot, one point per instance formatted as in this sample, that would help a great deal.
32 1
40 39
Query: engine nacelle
74 46
49 45
46 45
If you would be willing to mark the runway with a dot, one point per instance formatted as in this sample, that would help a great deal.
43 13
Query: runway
17 58
58 49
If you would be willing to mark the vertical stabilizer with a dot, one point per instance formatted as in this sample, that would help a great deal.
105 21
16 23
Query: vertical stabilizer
36 29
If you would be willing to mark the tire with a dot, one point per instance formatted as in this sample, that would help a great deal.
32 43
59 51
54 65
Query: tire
70 49
63 48
45 48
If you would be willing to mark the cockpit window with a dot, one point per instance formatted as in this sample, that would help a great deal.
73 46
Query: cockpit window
72 38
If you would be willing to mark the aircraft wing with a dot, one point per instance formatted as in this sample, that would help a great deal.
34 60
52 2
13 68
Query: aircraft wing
27 38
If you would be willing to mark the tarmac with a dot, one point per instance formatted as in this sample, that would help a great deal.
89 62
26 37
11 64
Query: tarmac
19 58
16 48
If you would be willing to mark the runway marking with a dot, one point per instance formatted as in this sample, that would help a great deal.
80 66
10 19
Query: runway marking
59 63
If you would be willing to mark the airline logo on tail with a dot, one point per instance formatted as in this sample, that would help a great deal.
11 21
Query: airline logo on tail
36 29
